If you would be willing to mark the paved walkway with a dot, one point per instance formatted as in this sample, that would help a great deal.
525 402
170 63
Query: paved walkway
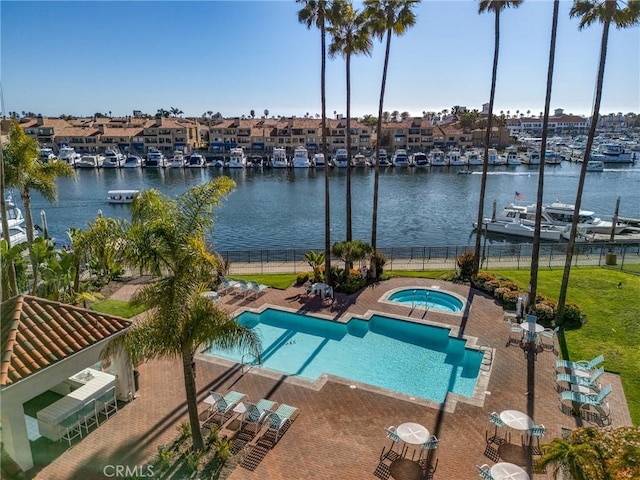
340 431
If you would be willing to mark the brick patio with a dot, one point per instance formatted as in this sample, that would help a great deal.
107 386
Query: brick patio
340 431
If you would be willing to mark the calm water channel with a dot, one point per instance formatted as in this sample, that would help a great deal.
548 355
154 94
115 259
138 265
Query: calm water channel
274 209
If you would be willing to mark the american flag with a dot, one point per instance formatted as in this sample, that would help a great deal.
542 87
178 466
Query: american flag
519 196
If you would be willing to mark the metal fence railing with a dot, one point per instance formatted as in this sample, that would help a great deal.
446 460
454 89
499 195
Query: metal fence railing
623 256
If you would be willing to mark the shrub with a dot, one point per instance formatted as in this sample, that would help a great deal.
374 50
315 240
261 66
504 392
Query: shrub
352 285
572 317
185 430
302 278
464 264
545 311
164 457
379 260
192 460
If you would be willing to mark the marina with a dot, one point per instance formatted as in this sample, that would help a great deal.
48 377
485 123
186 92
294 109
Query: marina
284 208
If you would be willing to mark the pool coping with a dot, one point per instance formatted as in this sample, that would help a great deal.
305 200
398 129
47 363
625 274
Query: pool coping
451 400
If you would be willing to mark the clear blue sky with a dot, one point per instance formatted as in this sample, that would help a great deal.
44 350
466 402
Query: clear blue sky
234 56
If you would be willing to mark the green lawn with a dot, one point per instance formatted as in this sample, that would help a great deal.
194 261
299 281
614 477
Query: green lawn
613 326
118 308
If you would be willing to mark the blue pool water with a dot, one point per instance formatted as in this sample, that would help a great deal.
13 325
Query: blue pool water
432 299
418 360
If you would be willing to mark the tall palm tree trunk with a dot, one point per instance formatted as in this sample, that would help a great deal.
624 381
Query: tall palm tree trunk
535 254
13 282
28 219
327 210
376 176
188 369
487 141
348 195
583 171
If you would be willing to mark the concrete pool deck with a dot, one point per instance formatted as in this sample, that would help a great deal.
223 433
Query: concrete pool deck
340 431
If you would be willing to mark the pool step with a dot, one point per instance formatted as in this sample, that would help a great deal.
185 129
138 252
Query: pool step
487 359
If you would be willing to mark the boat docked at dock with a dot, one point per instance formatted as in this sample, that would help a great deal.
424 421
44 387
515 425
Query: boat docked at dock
112 159
318 160
595 166
613 153
474 157
195 160
519 228
300 158
419 160
68 154
400 158
279 158
89 161
359 160
455 158
132 161
47 155
511 154
122 196
493 159
383 161
177 161
237 158
155 159
340 158
437 158
532 157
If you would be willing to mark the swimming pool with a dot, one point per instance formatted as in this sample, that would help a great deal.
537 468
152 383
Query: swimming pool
411 358
432 299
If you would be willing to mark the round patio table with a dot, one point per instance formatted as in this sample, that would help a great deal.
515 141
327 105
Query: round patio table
405 469
508 471
412 433
532 327
516 419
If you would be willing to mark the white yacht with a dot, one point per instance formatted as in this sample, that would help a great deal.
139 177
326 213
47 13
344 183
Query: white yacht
400 158
177 161
340 158
89 161
195 160
132 161
68 154
437 158
122 196
237 158
419 160
12 212
300 158
494 159
474 157
518 228
359 160
552 158
46 154
112 159
383 161
511 154
318 160
560 215
532 157
279 158
613 153
455 158
155 159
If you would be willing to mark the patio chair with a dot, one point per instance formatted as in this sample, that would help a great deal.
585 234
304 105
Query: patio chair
591 381
580 365
515 334
547 338
531 319
485 472
495 419
88 416
391 454
255 288
430 444
255 413
70 428
107 404
282 417
536 432
222 406
226 284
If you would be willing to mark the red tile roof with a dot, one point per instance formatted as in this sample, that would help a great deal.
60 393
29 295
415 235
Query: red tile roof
37 333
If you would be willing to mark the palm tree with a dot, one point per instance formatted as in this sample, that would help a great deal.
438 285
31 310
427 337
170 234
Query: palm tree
11 287
495 6
386 17
314 13
350 36
167 237
24 171
535 253
605 12
582 459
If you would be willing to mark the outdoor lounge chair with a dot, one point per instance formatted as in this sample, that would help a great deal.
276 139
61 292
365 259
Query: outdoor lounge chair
255 288
256 413
240 287
226 284
277 420
591 382
586 399
581 365
222 406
